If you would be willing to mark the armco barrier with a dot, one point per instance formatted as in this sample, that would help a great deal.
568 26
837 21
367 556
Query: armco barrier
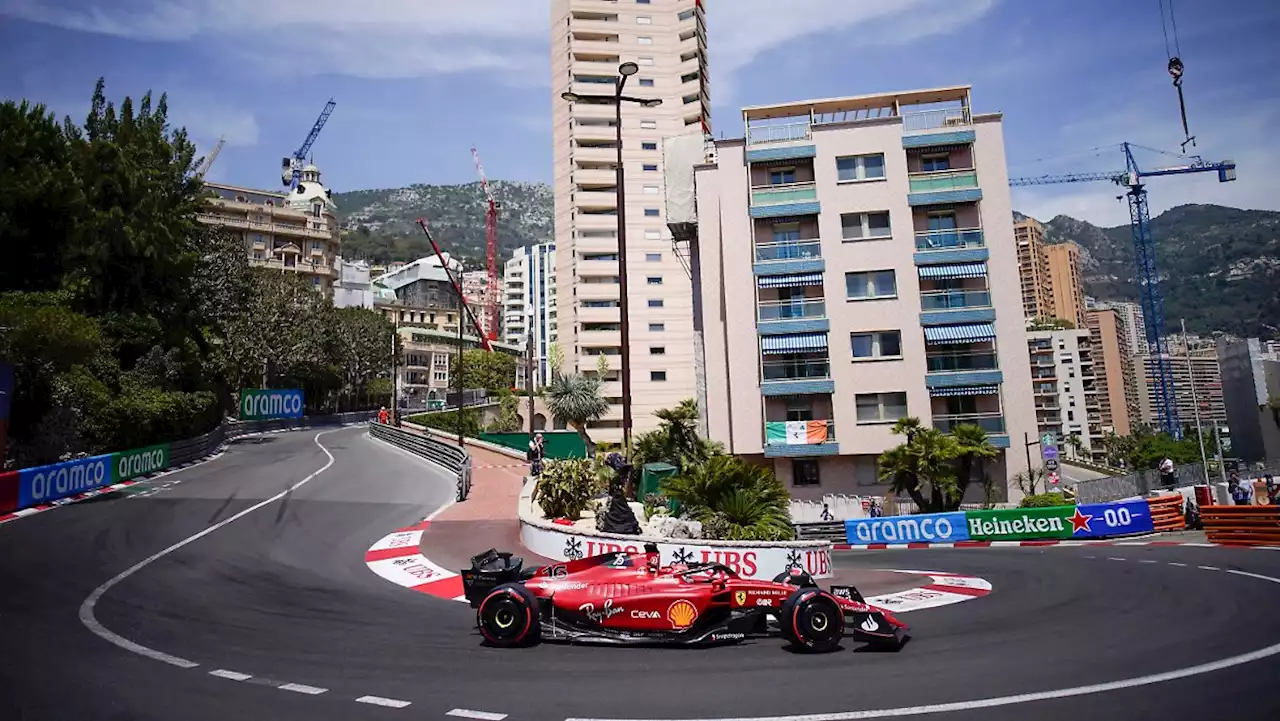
45 484
450 457
1242 525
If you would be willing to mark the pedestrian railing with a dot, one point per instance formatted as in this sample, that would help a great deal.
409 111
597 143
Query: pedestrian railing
448 456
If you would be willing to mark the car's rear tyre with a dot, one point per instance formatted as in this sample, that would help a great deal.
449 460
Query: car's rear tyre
796 577
811 620
508 617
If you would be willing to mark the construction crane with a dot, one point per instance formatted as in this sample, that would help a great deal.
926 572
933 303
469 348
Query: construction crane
1144 247
291 167
457 288
491 250
213 154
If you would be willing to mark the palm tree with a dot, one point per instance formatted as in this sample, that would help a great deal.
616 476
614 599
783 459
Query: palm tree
675 440
733 499
928 456
972 449
576 400
1076 445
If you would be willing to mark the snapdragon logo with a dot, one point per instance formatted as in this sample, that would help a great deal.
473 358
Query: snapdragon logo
926 528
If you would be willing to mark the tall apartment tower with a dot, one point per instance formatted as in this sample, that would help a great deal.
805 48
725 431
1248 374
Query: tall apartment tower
589 39
1115 372
529 304
1033 269
1135 326
1065 283
854 265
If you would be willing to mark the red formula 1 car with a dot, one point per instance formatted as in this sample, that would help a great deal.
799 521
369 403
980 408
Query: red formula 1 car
629 598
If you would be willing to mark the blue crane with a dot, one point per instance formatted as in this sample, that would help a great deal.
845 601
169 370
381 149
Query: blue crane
1144 247
291 167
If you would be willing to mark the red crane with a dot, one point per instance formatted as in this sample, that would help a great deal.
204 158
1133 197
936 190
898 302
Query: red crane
491 249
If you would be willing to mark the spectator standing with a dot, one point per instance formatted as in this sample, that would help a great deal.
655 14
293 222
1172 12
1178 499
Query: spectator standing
1241 491
383 417
537 447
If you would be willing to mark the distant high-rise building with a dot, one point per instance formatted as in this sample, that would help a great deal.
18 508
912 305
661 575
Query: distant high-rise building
1197 384
1135 328
1065 388
354 286
475 288
1114 374
1066 286
1250 388
1033 269
295 232
854 266
589 40
530 304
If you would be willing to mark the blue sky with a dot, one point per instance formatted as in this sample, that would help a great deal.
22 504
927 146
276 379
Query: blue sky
418 81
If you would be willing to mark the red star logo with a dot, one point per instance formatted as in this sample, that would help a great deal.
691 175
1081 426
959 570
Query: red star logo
1080 522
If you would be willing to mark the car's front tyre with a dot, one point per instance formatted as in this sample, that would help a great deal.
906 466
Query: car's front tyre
508 617
812 621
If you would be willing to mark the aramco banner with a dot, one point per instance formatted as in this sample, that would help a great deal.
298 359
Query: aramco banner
265 404
1096 520
920 528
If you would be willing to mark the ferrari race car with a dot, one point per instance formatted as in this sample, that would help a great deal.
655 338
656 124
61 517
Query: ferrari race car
630 598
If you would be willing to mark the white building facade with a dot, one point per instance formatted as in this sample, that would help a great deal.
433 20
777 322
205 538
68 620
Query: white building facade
529 304
1066 400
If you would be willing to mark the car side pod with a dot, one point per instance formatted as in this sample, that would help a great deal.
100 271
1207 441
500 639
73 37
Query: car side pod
508 617
812 621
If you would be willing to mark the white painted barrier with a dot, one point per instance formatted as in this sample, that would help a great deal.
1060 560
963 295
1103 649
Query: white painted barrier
751 559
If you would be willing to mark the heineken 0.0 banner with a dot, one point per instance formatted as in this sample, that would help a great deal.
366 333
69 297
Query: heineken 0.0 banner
1021 524
264 404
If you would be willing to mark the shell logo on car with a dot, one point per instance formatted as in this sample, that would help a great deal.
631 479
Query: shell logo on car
682 614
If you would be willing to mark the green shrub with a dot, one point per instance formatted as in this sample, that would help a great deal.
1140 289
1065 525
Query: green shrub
565 488
447 421
1044 500
734 500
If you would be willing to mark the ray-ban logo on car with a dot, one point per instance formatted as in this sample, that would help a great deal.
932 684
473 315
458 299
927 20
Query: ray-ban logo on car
606 612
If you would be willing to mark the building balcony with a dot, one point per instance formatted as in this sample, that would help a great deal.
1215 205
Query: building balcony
1049 405
784 194
788 250
595 153
770 311
798 374
1044 389
597 268
595 177
951 239
957 119
961 362
942 181
798 439
992 423
782 133
598 291
937 300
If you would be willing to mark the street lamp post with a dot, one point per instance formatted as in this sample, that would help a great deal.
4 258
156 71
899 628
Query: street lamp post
625 71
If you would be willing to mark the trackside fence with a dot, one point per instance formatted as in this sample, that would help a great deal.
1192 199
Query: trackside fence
1242 525
447 456
79 477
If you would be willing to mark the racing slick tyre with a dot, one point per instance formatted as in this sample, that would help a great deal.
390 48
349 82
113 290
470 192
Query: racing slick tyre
796 577
508 617
812 621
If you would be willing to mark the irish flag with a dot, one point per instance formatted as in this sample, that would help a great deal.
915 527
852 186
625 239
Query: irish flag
795 433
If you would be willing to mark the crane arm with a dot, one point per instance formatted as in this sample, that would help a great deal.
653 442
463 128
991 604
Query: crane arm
1114 176
305 148
484 182
213 155
457 288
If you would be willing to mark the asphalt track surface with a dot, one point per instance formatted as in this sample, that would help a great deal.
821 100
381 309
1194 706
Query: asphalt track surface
282 594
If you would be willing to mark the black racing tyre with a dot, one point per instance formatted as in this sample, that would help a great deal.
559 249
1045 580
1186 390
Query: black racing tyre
796 578
812 621
508 617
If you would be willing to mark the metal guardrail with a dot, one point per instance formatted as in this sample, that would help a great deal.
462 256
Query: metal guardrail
450 457
192 449
1102 490
830 531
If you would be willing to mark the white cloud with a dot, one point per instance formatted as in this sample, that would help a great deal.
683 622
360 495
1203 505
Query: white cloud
1240 131
383 38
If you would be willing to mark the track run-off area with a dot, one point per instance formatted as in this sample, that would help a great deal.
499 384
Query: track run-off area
243 587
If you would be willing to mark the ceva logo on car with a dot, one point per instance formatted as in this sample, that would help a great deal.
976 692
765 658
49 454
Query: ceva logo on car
931 527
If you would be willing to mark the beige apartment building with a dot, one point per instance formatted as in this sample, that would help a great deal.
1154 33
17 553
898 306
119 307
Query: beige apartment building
854 264
1033 269
295 232
1066 286
1197 384
1135 325
589 40
1115 373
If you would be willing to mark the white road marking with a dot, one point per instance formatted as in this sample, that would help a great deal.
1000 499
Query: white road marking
1202 545
1127 683
380 701
91 622
1133 543
302 688
1179 565
1113 558
1209 568
482 715
232 675
1147 560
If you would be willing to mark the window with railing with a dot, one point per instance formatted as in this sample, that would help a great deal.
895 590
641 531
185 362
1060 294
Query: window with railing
954 299
791 309
950 239
788 250
989 422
